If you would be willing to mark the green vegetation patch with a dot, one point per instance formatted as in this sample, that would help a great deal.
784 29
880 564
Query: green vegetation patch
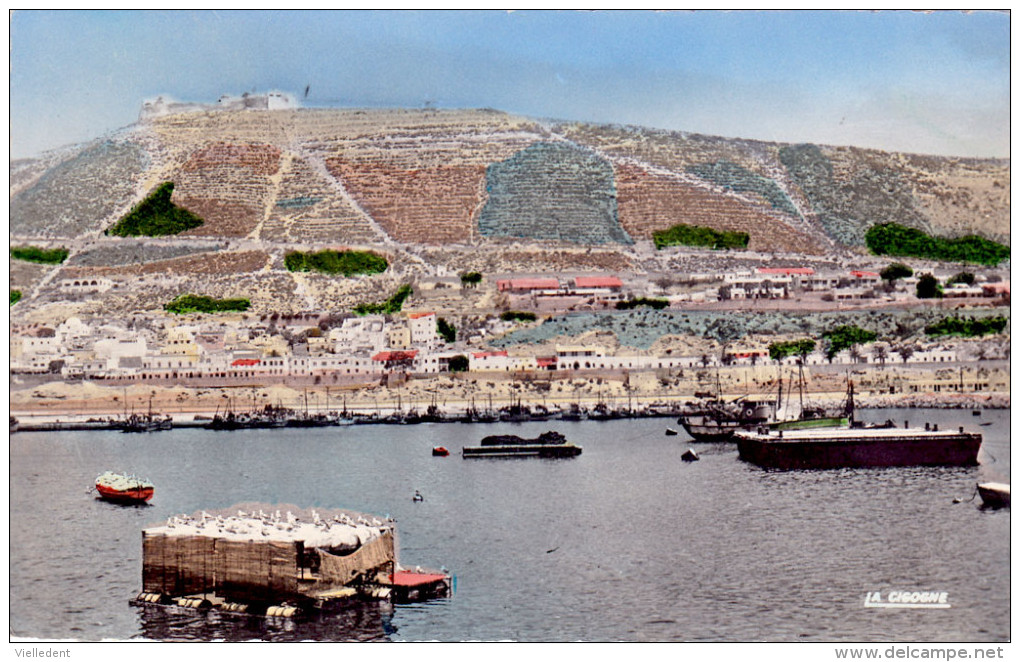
388 307
15 296
194 303
895 271
40 255
470 278
517 316
446 330
695 235
780 350
928 287
156 216
347 263
967 327
899 240
845 337
657 304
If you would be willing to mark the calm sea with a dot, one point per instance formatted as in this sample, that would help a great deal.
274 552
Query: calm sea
626 542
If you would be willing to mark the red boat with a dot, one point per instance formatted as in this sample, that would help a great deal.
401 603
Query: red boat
440 451
123 489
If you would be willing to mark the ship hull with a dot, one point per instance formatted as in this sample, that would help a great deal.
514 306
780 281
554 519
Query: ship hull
523 450
137 495
858 448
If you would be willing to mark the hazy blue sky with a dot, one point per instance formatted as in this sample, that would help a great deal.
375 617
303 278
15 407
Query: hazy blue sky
904 81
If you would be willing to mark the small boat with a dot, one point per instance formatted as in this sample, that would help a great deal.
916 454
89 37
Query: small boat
122 488
440 451
670 432
994 495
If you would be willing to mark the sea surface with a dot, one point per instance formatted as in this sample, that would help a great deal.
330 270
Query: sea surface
624 543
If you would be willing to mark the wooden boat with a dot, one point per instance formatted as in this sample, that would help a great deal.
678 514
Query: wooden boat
440 451
121 488
670 432
994 495
857 447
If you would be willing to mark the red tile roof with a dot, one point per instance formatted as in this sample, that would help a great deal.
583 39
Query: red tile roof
545 361
245 362
787 271
395 356
864 274
528 284
415 316
598 281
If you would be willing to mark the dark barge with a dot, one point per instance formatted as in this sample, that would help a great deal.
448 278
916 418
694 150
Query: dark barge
858 447
548 444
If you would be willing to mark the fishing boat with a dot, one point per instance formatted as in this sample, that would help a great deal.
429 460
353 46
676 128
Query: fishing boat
121 488
548 444
994 495
836 448
146 423
440 451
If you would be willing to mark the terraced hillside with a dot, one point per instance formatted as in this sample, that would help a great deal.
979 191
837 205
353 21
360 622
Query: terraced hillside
440 191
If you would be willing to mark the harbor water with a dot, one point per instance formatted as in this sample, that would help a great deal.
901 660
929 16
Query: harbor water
626 542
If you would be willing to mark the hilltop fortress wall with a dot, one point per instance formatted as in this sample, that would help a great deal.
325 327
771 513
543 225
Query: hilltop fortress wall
166 106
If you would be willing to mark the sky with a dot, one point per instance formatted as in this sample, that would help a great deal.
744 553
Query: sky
933 83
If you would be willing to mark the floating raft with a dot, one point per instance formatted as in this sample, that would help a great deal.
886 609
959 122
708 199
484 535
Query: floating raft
263 559
838 448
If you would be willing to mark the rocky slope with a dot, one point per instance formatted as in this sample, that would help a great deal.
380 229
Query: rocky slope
441 191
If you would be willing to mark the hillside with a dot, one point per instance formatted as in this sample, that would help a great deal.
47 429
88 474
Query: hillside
442 191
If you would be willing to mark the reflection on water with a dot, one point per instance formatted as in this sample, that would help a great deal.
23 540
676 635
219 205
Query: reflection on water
368 621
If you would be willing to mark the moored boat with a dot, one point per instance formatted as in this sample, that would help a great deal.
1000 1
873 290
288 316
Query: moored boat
857 447
547 444
122 488
440 451
994 495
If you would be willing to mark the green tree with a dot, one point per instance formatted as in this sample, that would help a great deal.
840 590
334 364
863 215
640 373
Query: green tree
15 297
459 363
845 337
446 330
964 277
800 348
928 287
895 271
470 278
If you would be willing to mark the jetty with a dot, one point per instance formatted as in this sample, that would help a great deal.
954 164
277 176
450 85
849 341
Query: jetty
858 447
278 561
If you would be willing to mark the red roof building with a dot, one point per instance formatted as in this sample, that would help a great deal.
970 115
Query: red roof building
484 355
864 274
245 362
787 271
391 357
527 284
598 282
546 361
418 316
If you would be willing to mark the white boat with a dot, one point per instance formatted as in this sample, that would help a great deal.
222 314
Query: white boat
995 495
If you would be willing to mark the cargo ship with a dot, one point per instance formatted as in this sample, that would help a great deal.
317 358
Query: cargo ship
836 448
